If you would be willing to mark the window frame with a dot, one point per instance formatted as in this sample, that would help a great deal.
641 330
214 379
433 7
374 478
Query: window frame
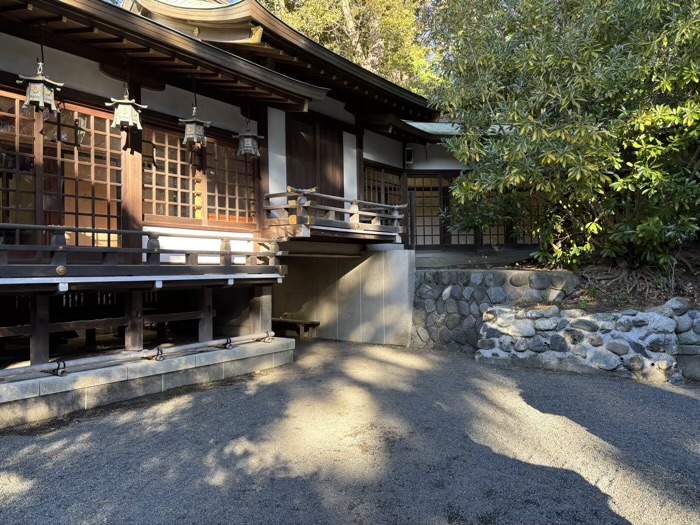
201 176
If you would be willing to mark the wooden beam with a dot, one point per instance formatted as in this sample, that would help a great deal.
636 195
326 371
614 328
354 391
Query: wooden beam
75 31
18 7
110 40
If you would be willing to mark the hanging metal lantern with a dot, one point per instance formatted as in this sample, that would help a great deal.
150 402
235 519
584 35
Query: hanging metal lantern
194 130
248 142
41 91
127 113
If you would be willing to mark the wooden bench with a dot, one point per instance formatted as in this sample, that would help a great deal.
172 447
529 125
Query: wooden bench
306 328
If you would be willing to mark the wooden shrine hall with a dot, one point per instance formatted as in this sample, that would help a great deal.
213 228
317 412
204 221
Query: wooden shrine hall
156 176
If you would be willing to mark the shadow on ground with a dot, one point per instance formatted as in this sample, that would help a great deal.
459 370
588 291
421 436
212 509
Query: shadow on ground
367 434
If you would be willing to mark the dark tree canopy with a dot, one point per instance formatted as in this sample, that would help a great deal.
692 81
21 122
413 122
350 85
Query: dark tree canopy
383 36
599 107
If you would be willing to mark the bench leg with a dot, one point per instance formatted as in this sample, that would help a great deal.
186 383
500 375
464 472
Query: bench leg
302 333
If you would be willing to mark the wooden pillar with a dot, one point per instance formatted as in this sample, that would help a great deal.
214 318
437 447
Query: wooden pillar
39 319
261 309
133 338
132 182
161 332
263 181
91 339
206 323
38 182
360 140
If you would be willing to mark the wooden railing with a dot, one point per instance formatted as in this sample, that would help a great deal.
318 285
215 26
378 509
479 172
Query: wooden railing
308 208
43 250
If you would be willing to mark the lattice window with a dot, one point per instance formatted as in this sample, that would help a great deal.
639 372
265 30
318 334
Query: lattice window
382 186
175 187
82 174
431 195
17 178
171 185
230 185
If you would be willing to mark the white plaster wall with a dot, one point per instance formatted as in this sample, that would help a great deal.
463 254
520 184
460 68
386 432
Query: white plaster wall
349 166
379 148
178 102
433 157
332 108
75 72
204 240
364 300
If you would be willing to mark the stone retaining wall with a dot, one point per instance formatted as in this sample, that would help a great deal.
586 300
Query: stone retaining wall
646 345
448 304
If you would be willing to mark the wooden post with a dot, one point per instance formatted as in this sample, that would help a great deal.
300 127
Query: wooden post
39 340
58 242
274 247
161 332
153 247
206 323
225 257
261 309
133 338
354 216
91 339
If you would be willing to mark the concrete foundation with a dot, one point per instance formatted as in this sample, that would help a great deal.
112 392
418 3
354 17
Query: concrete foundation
368 299
45 397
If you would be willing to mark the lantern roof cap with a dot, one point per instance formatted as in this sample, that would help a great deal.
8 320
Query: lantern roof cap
39 77
247 133
130 102
195 120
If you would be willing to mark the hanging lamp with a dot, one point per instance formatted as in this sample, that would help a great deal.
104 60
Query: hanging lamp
41 91
127 113
248 141
194 127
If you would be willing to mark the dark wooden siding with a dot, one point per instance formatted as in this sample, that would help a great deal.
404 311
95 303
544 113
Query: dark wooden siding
314 155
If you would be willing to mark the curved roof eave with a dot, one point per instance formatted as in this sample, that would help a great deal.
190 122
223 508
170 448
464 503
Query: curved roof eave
140 25
240 10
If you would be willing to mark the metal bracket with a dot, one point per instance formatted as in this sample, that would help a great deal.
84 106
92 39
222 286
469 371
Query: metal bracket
59 371
159 354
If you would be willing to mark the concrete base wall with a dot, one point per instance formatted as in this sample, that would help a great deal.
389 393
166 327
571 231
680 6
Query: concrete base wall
47 397
367 299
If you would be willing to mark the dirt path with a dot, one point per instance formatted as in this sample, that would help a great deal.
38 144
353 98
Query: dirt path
368 434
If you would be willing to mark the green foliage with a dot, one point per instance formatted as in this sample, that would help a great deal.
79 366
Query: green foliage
383 36
601 99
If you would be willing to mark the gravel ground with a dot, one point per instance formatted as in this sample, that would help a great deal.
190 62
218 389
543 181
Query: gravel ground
367 434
